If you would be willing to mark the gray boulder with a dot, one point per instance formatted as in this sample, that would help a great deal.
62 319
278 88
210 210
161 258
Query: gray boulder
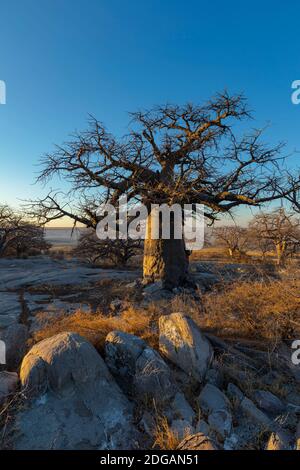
181 341
153 379
121 353
181 408
212 399
202 427
70 389
255 414
10 309
139 369
182 428
234 393
8 384
268 402
214 377
221 422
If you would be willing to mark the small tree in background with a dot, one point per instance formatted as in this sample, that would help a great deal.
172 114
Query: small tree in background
234 238
279 230
94 250
17 236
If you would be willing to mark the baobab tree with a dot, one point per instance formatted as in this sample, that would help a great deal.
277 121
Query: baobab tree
234 238
172 154
280 230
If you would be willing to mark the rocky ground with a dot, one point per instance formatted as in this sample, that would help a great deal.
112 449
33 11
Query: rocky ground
191 391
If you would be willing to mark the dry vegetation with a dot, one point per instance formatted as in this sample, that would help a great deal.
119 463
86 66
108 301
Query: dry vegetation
95 327
267 310
164 437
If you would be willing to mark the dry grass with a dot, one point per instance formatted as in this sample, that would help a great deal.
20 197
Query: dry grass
255 309
164 437
95 327
261 310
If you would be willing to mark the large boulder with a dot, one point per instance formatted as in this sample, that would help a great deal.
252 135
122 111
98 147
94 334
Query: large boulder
73 401
138 368
181 341
197 442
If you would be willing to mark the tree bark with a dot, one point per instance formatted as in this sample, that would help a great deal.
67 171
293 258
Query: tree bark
165 260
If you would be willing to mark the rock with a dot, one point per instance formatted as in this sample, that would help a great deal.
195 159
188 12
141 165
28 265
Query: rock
147 423
155 292
181 408
255 414
10 309
197 442
153 287
182 343
136 284
217 406
270 378
278 441
234 393
39 270
268 402
220 421
139 369
295 409
231 442
214 377
202 427
153 379
121 353
182 428
70 389
15 338
8 384
212 399
293 397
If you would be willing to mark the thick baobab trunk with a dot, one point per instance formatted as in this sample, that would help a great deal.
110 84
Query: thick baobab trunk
165 260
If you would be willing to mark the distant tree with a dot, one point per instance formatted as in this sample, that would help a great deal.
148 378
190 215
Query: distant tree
173 154
234 238
279 230
18 236
119 252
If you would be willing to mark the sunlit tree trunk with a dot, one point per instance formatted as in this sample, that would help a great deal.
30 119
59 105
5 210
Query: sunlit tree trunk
280 251
165 260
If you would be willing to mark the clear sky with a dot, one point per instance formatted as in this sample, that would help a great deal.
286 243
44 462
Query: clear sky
63 59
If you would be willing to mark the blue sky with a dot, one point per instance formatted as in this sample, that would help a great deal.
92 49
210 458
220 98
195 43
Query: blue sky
63 59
